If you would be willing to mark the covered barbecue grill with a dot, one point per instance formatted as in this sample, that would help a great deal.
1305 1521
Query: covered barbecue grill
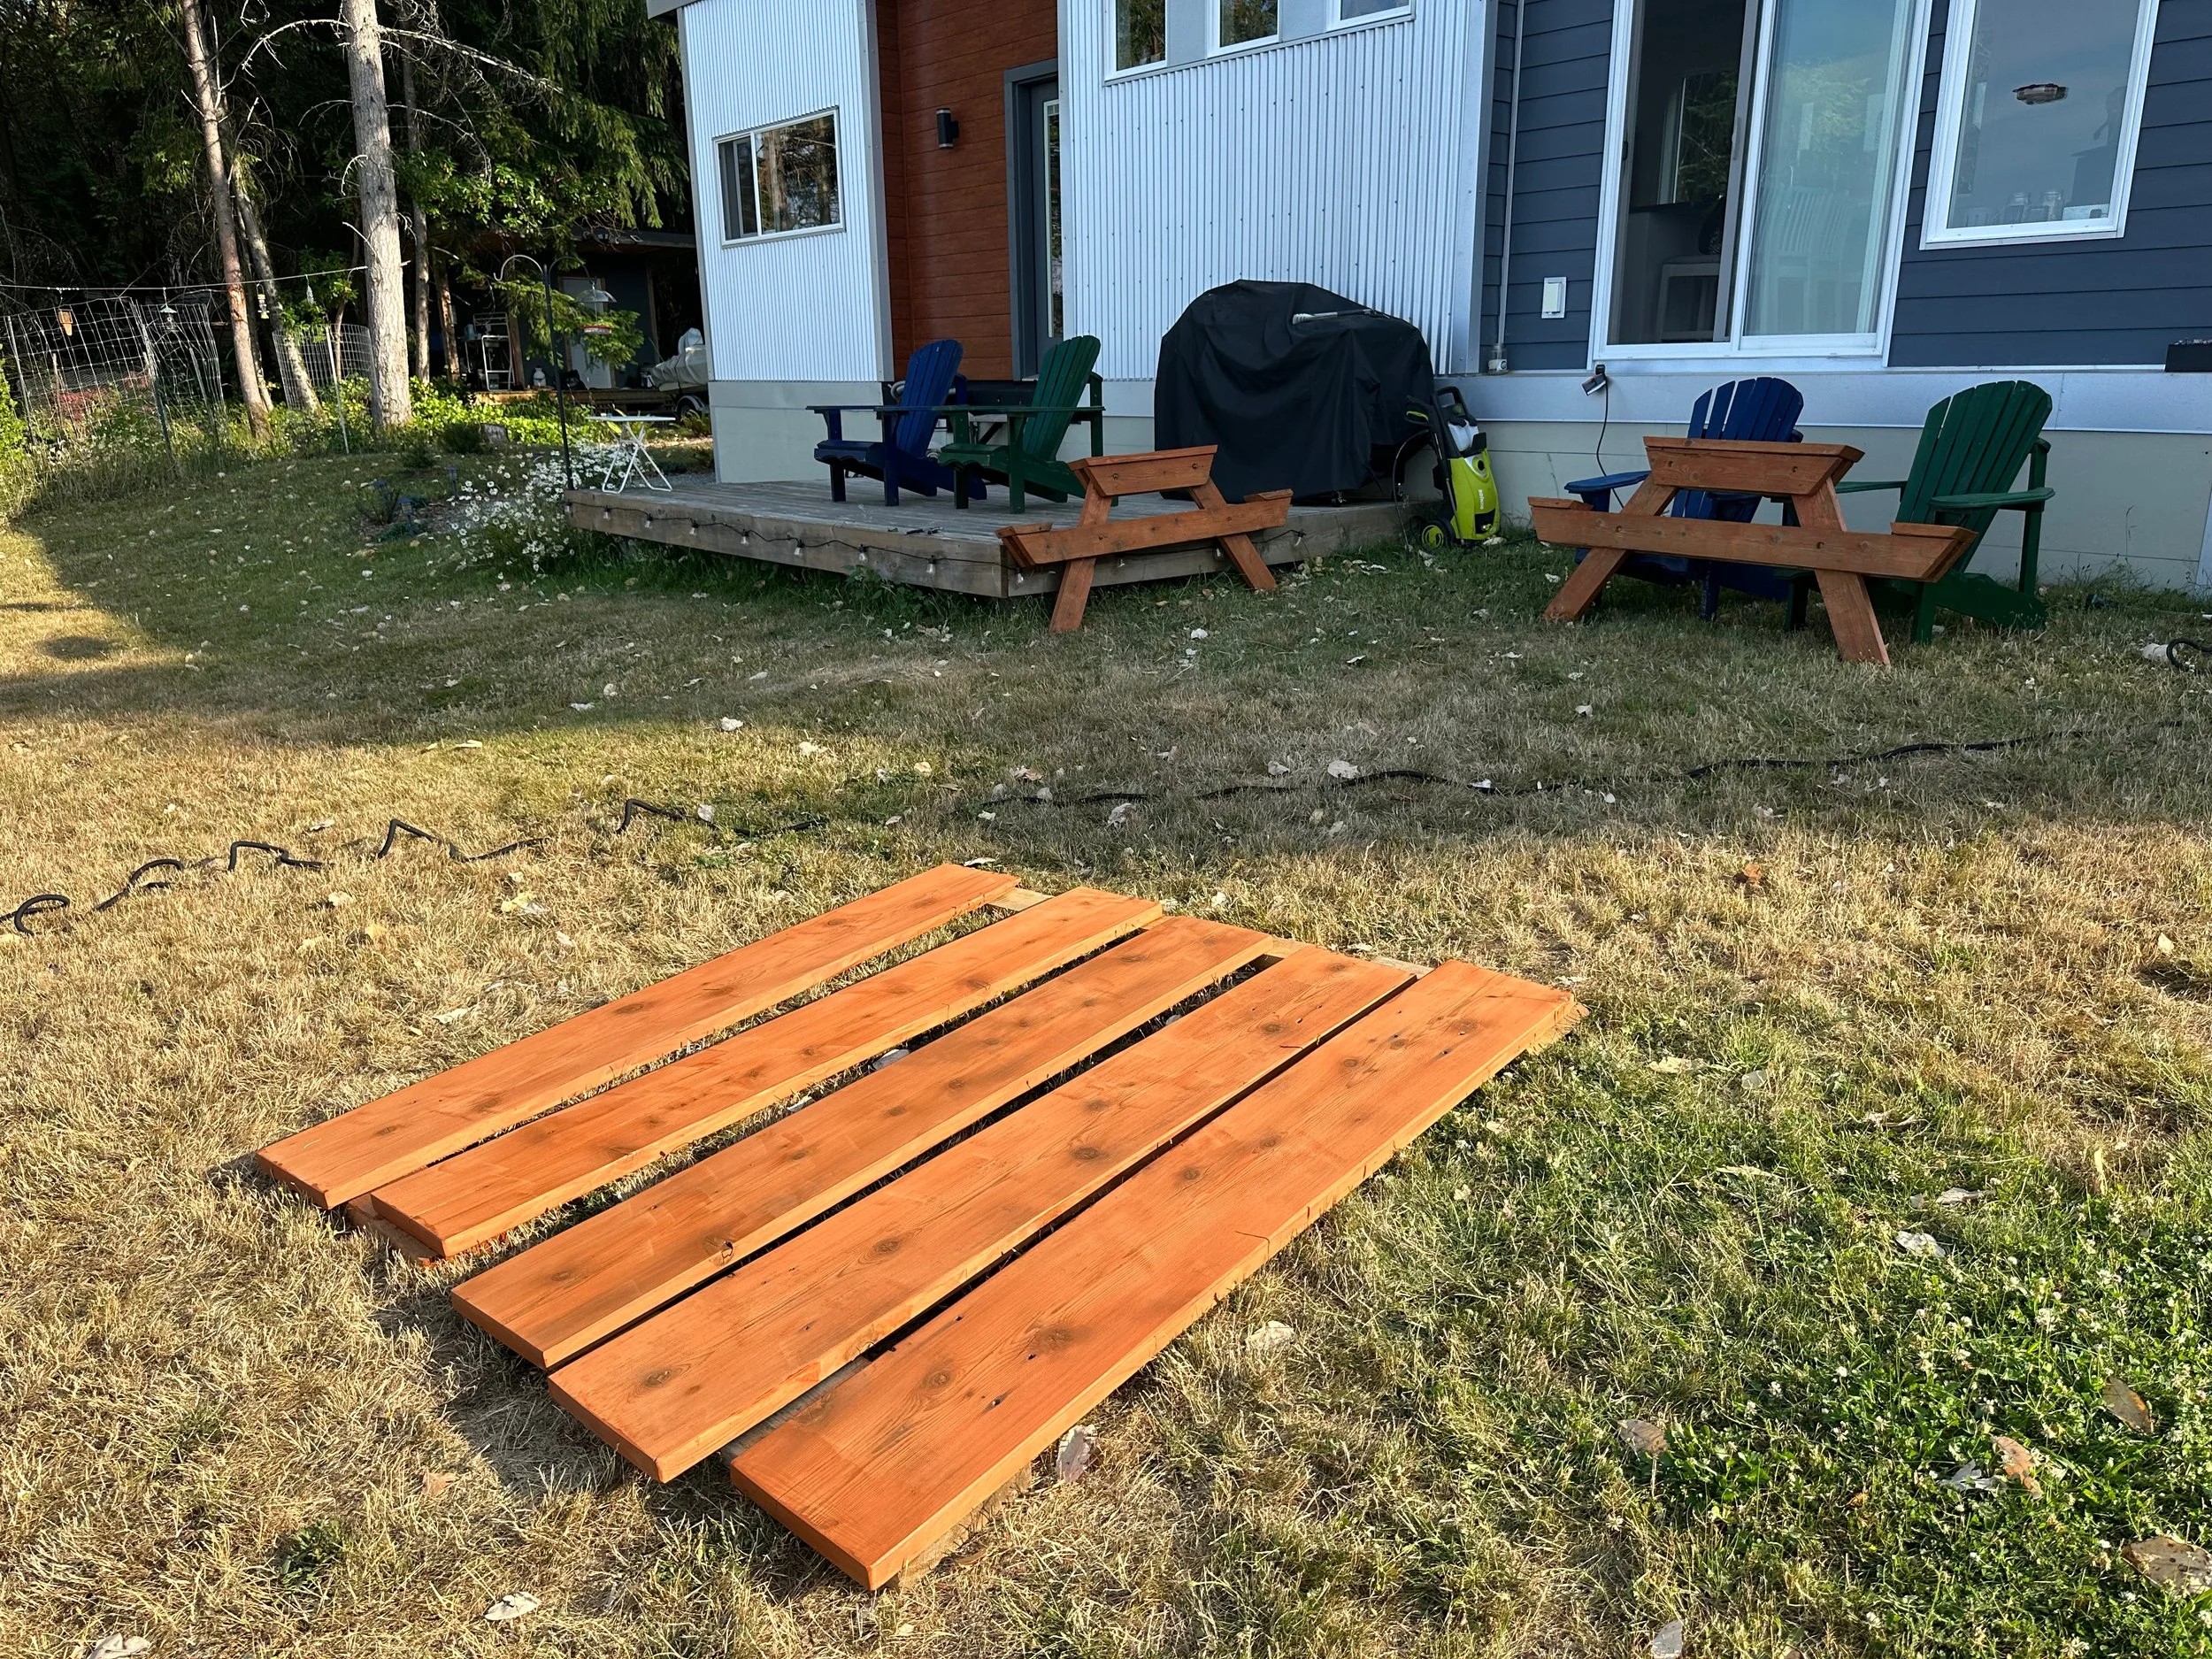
1300 388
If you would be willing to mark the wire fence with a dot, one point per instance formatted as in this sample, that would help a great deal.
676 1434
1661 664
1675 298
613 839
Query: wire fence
117 374
327 355
122 388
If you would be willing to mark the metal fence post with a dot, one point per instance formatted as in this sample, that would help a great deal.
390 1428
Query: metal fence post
153 381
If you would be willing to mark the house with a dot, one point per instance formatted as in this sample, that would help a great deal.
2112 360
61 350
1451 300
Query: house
1882 200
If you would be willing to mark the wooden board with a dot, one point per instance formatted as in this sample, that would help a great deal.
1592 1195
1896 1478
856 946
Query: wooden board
669 1392
1037 547
478 1195
555 1300
378 1142
1740 465
1916 552
898 1455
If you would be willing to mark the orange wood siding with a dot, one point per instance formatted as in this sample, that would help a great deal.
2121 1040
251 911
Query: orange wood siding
947 222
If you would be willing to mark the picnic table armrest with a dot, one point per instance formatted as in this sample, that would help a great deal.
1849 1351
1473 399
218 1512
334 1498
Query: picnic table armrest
1994 498
1854 486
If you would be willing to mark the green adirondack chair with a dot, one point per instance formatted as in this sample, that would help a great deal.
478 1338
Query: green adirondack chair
1030 457
1971 454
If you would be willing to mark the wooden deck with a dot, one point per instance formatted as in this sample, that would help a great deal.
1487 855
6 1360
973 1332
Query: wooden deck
1065 1200
931 543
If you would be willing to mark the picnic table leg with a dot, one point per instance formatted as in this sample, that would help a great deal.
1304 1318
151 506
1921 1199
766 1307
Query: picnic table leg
1075 592
1241 548
1851 614
1583 584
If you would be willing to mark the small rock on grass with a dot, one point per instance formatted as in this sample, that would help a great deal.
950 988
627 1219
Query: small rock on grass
1668 1643
2173 1563
2125 1404
118 1648
1270 1338
1920 1244
1076 1448
1643 1437
515 1604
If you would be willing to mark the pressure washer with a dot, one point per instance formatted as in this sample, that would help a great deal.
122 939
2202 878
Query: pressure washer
1467 513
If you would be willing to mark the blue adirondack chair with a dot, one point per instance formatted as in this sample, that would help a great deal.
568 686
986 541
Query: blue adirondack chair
901 457
1762 411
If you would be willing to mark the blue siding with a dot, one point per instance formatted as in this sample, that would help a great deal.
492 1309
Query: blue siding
1956 307
1972 307
1561 168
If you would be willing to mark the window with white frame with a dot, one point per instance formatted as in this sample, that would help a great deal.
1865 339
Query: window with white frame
2036 128
1757 194
1360 10
1140 33
776 180
1243 23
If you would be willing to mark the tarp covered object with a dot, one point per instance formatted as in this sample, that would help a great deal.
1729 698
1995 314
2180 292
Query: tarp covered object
1302 390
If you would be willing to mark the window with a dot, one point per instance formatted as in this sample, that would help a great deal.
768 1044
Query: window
1354 11
2035 133
780 179
1140 33
1243 23
1757 199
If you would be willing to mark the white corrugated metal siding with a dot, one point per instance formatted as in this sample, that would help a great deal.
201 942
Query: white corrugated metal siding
1347 159
807 307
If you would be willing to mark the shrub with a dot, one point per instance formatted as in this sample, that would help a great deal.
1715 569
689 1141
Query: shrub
417 444
464 437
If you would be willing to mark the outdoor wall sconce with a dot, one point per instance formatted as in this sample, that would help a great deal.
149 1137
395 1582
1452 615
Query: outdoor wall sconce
947 130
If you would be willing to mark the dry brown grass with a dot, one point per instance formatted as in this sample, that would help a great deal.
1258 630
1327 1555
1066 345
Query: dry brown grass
227 1419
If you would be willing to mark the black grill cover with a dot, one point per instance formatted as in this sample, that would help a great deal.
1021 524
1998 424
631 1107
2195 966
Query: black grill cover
1300 388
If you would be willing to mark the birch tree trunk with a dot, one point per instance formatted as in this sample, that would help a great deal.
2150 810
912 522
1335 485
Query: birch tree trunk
419 222
208 96
391 400
293 366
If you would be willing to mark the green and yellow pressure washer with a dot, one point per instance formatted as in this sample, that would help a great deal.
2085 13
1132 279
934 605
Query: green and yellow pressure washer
1468 513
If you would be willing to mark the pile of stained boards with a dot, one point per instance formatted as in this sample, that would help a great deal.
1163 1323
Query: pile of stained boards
1123 1202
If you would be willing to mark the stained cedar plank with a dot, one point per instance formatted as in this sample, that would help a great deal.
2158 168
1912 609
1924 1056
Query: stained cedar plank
695 1376
895 1458
378 1142
479 1194
553 1301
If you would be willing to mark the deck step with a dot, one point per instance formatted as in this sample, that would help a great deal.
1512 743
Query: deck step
477 1196
378 1142
555 1300
887 1463
667 1393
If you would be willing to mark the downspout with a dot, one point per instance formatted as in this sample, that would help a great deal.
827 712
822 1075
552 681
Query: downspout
1497 365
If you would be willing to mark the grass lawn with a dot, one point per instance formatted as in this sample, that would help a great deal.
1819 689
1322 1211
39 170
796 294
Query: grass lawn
1960 994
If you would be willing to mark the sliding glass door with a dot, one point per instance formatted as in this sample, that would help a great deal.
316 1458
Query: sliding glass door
1759 175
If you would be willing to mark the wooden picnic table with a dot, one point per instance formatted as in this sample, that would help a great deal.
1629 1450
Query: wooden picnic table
1076 551
1803 474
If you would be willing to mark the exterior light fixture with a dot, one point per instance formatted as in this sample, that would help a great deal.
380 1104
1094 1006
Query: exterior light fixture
947 130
